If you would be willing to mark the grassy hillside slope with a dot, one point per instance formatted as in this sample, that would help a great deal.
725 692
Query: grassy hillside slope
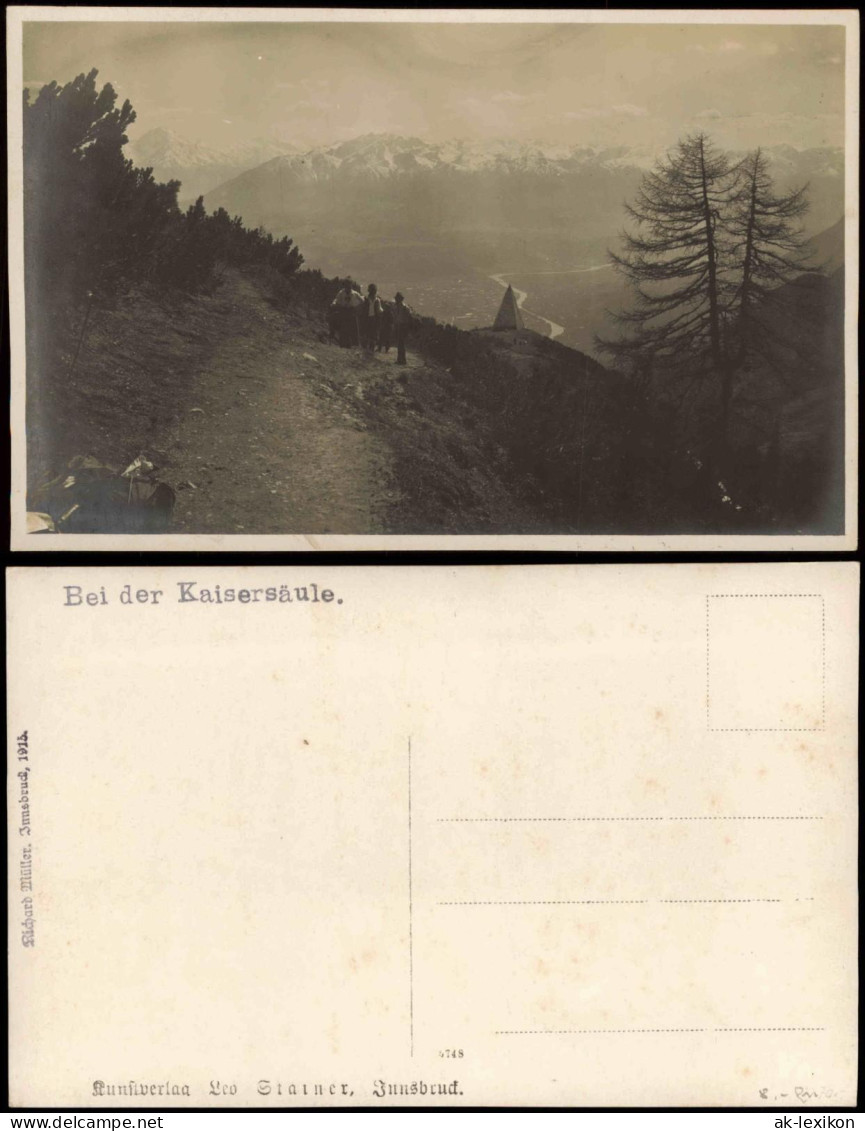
260 424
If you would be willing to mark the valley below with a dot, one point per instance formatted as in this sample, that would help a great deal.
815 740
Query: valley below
451 226
568 300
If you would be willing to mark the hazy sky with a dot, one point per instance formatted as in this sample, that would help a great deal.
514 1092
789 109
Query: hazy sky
593 84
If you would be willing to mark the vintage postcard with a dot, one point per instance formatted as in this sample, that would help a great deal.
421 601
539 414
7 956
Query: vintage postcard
379 279
341 836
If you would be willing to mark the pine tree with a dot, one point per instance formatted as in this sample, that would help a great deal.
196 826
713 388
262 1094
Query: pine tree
676 265
769 250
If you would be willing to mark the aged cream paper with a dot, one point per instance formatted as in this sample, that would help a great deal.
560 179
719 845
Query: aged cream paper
299 539
544 835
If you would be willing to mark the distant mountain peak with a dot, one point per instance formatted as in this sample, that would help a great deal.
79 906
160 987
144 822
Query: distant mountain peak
164 149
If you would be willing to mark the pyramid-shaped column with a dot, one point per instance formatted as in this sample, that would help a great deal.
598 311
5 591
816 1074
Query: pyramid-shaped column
509 316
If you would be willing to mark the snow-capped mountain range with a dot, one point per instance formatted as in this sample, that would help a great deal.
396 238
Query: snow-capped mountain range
379 156
471 202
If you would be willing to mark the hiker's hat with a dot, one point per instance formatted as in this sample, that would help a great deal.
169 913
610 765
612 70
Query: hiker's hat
399 297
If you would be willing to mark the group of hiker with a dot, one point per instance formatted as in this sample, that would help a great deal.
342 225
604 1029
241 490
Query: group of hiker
365 320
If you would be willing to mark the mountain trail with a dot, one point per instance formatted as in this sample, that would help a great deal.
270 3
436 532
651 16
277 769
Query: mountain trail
261 449
262 425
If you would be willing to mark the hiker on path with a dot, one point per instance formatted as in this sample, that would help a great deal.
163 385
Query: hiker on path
385 331
402 319
346 305
370 318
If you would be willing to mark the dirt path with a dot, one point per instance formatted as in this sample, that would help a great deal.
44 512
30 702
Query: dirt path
264 445
263 426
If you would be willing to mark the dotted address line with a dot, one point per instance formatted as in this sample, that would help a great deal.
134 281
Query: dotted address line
563 902
563 1032
479 820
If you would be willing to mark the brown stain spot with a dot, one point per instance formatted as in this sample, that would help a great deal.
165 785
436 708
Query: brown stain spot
659 714
306 742
728 840
542 968
812 756
547 1004
484 768
589 930
652 785
714 801
746 1071
761 773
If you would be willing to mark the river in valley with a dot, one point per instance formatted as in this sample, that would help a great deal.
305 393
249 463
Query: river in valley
555 329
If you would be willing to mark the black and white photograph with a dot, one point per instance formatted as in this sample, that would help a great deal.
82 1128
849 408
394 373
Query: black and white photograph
345 279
